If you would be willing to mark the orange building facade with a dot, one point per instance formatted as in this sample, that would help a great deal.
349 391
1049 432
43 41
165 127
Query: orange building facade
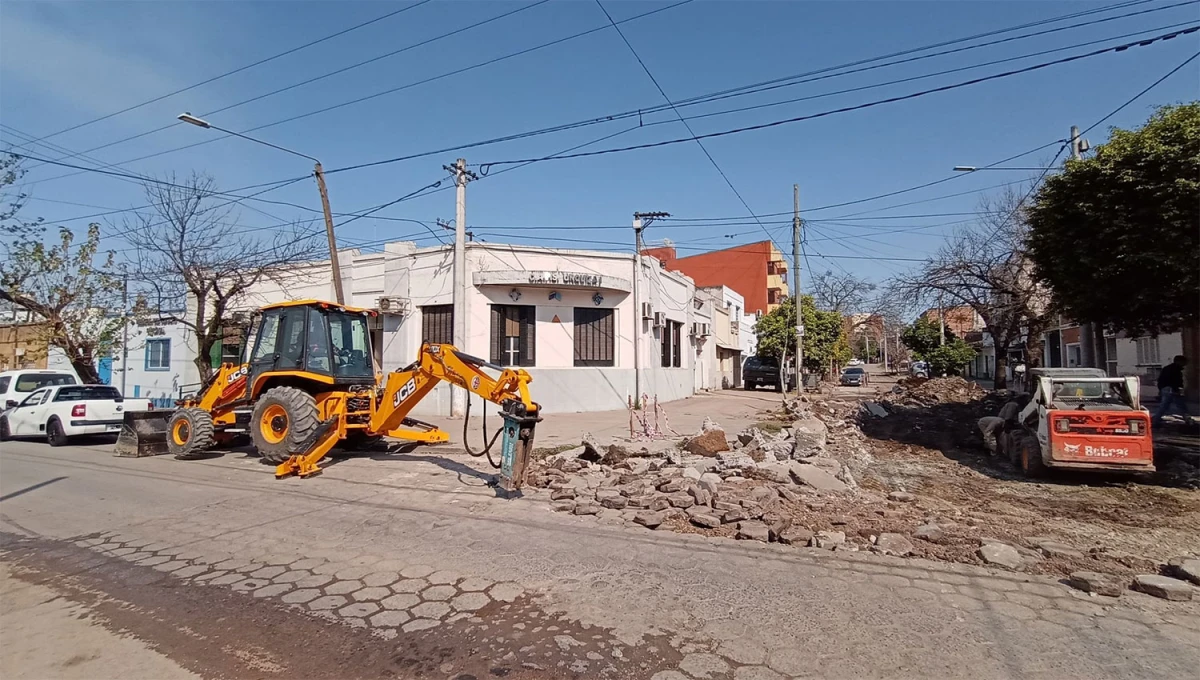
757 271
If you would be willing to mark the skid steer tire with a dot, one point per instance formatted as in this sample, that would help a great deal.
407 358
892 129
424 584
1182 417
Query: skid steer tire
283 419
190 433
1029 451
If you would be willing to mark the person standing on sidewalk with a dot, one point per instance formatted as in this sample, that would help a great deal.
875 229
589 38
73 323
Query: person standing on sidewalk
1170 391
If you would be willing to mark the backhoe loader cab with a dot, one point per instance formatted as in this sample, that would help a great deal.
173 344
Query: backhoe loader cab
308 384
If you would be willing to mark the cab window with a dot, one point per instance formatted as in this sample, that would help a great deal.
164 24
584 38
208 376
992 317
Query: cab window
318 342
35 398
28 382
351 348
268 334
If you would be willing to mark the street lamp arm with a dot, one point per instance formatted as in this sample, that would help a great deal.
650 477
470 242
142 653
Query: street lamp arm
200 122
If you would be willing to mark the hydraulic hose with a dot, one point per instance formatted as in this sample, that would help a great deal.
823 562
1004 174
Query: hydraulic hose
487 444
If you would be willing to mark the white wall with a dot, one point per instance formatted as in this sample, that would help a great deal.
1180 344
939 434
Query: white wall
156 384
1127 360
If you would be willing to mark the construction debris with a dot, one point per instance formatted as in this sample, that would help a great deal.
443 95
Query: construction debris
1162 586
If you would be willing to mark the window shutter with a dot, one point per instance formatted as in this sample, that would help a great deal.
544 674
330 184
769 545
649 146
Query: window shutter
496 333
528 321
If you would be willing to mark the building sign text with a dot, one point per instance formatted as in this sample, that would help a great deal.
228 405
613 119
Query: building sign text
565 278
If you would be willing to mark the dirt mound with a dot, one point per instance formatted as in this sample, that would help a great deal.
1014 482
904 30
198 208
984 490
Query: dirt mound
926 392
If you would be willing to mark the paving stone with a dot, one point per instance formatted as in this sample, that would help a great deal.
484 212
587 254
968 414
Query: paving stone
354 572
755 673
703 666
441 578
314 581
416 571
306 563
410 585
327 602
795 535
650 519
419 624
791 661
403 601
893 544
753 530
268 572
226 579
273 590
901 497
173 565
1057 549
1000 554
469 602
301 596
343 587
390 618
371 594
248 584
1163 586
669 675
193 570
703 519
1186 568
743 650
291 576
473 583
151 561
278 559
829 539
359 609
430 610
380 578
438 593
505 592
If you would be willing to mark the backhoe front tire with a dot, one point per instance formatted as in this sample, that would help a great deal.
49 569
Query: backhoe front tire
283 419
190 433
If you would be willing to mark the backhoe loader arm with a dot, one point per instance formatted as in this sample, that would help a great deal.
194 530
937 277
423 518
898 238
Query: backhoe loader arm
226 387
405 388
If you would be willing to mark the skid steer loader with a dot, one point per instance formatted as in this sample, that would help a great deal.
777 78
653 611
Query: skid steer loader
308 384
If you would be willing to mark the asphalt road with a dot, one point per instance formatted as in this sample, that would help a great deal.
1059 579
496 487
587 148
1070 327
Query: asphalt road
409 566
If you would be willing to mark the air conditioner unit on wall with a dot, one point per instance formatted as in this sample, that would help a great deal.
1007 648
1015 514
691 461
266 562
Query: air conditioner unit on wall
701 329
393 305
647 311
660 319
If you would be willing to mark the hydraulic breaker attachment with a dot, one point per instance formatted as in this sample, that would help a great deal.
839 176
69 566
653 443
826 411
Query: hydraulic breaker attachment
516 444
143 433
319 443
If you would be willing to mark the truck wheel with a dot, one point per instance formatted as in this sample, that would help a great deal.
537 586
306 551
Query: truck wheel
1030 451
189 433
283 418
54 433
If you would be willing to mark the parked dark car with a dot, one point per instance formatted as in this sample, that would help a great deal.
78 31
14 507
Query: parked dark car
764 371
855 376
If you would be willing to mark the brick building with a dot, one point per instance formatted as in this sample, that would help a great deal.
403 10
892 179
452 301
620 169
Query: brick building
758 271
960 319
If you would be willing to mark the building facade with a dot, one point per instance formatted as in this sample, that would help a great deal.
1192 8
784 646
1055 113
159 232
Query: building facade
756 271
566 316
1121 355
156 363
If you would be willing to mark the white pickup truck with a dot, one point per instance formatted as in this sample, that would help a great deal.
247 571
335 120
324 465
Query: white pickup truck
60 412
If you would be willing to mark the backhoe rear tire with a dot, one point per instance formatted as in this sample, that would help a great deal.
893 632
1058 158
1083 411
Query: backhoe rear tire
190 433
356 440
283 419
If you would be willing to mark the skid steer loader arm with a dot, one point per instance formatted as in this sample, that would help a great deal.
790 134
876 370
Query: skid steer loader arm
402 390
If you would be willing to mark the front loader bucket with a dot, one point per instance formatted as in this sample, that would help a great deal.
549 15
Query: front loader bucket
144 433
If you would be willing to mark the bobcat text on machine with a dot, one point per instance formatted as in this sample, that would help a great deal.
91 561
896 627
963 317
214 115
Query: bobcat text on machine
1079 418
309 384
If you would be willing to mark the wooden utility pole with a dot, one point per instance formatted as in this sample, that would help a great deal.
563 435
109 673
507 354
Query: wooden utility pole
796 227
333 253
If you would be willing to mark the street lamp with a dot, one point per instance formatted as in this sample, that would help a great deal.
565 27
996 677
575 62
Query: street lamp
320 175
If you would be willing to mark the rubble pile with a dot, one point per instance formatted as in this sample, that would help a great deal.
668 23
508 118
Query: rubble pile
921 392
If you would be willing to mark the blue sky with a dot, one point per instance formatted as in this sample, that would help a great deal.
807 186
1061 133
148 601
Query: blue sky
66 63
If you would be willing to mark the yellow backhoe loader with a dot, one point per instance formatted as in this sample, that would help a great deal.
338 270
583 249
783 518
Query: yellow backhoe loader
308 384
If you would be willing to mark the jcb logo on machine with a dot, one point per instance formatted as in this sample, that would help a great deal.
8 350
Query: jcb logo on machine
475 383
404 392
240 373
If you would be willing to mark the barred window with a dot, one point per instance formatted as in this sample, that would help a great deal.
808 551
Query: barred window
671 337
512 337
594 337
437 324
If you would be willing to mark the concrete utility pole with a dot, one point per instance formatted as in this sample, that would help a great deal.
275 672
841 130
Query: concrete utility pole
333 252
638 321
124 332
458 399
941 321
1087 331
796 227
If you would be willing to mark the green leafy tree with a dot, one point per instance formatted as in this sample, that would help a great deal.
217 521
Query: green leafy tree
923 336
72 288
1115 236
825 341
950 358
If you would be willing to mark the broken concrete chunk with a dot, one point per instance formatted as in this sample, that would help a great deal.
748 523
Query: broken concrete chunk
810 475
752 530
659 502
893 544
564 506
780 473
829 539
691 473
735 461
700 494
737 514
638 466
615 502
710 481
640 501
705 520
901 497
587 508
709 442
1163 586
787 494
1092 582
1057 549
809 436
674 485
649 519
875 409
1000 554
681 500
1186 568
795 535
593 452
562 494
928 532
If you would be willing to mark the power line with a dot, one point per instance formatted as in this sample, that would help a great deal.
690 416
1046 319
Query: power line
663 92
236 70
1137 96
865 105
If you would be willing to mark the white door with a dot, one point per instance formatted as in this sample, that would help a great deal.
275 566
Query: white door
24 420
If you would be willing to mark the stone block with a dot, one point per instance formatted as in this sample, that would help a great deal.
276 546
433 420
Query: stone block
1163 586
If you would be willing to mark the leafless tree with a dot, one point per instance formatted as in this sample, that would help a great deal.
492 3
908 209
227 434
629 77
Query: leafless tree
844 293
191 254
984 266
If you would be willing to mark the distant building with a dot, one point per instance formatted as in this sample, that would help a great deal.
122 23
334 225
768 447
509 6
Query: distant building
758 271
960 320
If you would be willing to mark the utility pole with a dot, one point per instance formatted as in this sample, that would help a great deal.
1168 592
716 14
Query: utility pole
458 400
1087 331
333 253
884 339
941 321
796 227
124 332
638 322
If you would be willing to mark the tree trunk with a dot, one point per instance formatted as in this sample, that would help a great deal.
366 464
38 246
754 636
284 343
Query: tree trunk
88 375
1001 380
1033 350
